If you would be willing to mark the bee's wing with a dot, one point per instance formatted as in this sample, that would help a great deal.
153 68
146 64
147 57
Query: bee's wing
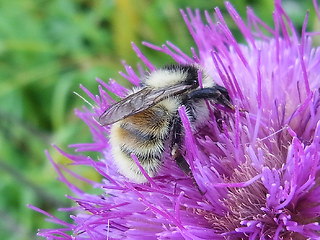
139 101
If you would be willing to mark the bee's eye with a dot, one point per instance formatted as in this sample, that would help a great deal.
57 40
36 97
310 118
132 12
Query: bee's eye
192 81
195 83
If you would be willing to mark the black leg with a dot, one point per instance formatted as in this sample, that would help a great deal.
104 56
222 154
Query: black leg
175 146
217 93
176 132
176 154
223 90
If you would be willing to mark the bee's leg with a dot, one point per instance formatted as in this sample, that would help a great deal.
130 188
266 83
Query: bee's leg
175 146
217 93
176 154
180 160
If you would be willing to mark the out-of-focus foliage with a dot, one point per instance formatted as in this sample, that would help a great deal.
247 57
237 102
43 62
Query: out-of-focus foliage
47 48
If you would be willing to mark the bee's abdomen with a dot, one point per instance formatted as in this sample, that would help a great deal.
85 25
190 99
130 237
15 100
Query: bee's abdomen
144 135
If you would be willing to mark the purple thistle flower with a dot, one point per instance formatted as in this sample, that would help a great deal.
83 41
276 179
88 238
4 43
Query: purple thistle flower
256 171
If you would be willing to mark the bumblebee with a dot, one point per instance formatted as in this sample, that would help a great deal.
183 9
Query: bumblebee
148 118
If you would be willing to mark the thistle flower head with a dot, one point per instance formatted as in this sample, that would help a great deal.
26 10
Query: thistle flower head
256 170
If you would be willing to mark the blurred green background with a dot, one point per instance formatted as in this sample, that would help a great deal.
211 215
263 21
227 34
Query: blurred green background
49 47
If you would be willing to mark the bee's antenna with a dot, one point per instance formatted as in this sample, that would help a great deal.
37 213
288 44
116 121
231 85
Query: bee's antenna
85 100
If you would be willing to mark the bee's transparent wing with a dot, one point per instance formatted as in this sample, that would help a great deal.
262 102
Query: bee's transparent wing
139 101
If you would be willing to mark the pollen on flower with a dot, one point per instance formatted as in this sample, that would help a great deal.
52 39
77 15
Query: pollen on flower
254 173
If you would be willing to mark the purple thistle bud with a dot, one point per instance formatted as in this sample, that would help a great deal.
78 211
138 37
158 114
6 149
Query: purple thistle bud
255 170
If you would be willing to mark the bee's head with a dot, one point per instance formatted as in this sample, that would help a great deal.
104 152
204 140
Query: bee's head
189 73
174 74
